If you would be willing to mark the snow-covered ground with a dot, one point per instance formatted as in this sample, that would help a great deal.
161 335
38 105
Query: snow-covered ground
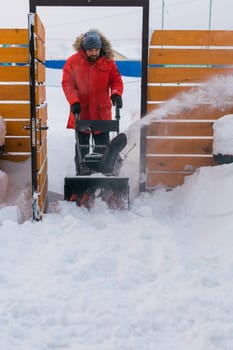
156 277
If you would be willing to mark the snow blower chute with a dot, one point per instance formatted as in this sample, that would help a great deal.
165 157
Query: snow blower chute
98 175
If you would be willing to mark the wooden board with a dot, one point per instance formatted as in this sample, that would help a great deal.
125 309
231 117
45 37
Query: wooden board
39 28
13 36
169 179
179 146
180 128
40 94
15 110
14 55
177 163
192 37
164 93
191 56
16 127
14 92
40 72
199 111
14 73
185 75
18 144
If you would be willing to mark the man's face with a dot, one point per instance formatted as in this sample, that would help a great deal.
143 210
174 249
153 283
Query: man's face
93 54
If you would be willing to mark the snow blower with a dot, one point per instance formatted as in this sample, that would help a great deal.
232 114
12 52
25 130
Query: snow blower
99 172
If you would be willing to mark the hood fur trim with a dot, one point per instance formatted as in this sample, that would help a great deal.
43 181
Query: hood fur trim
106 46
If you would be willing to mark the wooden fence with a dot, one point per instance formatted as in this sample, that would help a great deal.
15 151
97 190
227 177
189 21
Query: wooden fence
180 64
15 99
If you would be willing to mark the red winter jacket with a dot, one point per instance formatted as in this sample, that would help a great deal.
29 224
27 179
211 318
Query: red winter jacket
91 84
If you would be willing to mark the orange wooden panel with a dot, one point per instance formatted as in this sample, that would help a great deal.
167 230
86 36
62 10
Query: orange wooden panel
185 75
15 110
16 127
163 93
40 50
166 179
14 55
15 158
192 37
42 174
14 73
42 113
40 72
191 56
14 92
43 185
17 145
41 153
202 111
43 197
180 128
176 163
179 146
40 94
14 36
39 28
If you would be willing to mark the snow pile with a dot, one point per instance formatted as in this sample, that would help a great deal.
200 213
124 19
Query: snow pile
16 187
156 277
223 135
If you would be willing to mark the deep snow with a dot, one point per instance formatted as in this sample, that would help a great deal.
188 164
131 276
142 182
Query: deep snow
156 277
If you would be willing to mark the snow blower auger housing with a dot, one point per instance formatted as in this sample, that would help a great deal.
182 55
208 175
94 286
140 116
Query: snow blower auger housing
98 175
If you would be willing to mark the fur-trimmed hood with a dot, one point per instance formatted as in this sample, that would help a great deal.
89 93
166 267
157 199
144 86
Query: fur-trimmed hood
106 46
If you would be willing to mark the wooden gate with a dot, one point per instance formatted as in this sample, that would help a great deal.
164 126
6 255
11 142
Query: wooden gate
25 131
181 61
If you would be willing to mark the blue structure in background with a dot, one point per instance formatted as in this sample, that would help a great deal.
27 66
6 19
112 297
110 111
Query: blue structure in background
126 67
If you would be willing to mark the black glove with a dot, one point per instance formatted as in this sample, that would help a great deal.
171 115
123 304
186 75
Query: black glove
76 108
116 100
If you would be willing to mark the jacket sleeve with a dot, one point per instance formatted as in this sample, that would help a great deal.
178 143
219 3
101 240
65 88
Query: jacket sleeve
69 84
116 83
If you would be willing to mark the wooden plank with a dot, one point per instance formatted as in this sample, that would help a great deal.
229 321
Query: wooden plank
40 50
191 56
15 110
15 158
42 113
16 127
40 72
14 92
42 174
17 145
41 153
166 179
40 94
202 111
192 37
179 146
180 128
13 36
14 55
39 28
14 73
190 143
176 163
185 75
43 197
163 93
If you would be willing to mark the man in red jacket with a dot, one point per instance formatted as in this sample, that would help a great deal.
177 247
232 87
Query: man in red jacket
92 84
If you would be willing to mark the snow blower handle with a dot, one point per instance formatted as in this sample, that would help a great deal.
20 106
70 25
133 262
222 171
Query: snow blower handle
76 119
82 169
117 116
